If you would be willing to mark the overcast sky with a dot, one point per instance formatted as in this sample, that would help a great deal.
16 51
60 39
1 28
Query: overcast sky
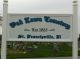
40 6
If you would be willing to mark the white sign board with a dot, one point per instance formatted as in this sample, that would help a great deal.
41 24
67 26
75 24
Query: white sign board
39 27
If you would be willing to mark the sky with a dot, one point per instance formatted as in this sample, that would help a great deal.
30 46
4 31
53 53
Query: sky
41 6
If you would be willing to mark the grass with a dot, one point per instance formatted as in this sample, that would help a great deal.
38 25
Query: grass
42 51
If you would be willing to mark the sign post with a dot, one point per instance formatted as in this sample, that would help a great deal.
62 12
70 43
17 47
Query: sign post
40 27
4 38
75 29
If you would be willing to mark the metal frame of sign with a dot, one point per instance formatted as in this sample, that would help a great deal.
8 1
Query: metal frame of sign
74 31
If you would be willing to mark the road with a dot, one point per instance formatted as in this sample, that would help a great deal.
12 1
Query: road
50 58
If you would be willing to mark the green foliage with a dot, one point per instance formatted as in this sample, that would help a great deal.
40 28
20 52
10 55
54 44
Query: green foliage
43 50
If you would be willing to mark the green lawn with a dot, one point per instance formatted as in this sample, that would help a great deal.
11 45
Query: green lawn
43 50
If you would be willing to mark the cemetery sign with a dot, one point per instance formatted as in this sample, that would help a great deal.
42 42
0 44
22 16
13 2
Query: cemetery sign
39 27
